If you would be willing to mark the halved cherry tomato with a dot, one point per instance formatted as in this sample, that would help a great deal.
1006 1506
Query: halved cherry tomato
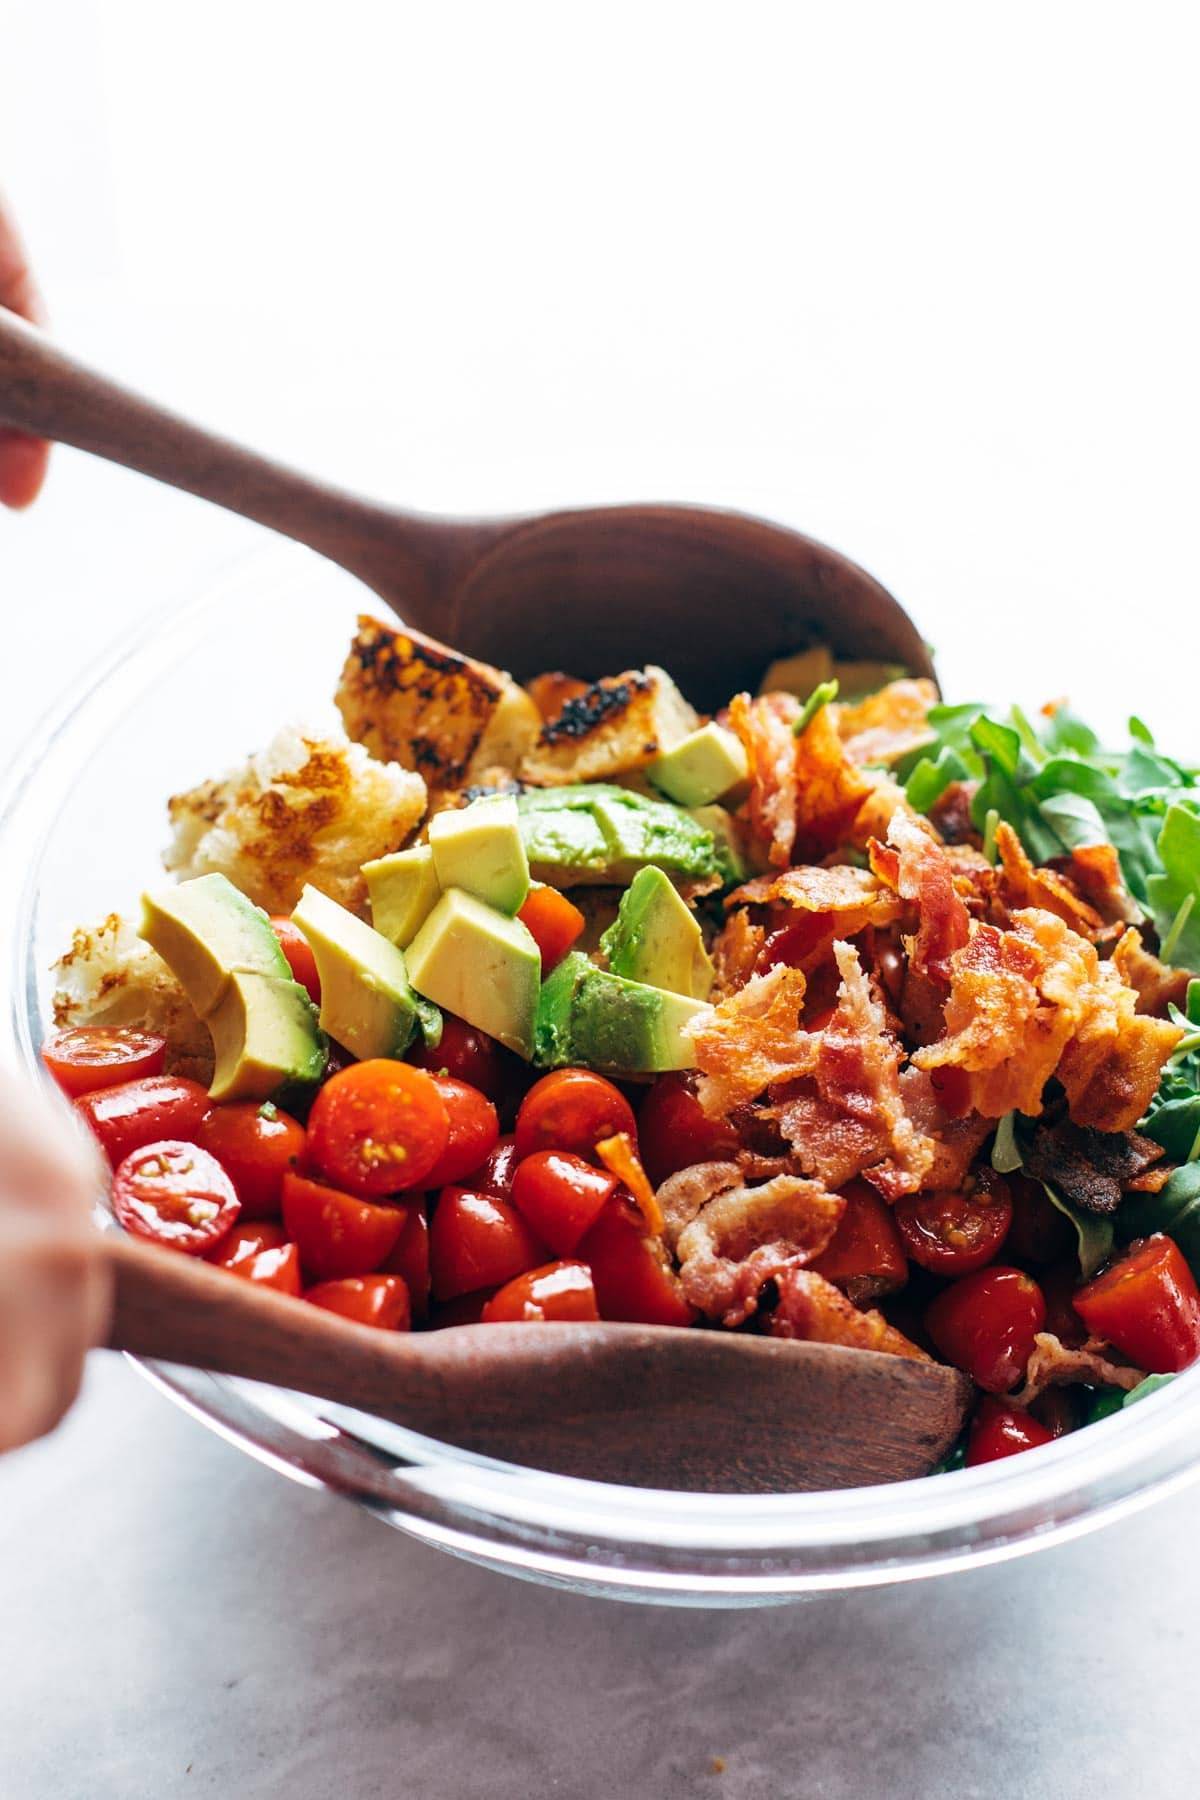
410 1257
466 1309
378 1127
245 1241
301 961
561 1290
1147 1305
379 1300
477 1241
674 1131
495 1173
572 1109
865 1256
953 1233
468 1054
337 1234
278 1267
633 1277
86 1058
998 1430
174 1194
561 1196
474 1130
1039 1233
136 1113
256 1146
986 1324
553 922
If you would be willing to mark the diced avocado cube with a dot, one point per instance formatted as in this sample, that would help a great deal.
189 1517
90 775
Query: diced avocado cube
561 842
599 832
655 939
707 764
264 1032
478 848
403 890
482 965
591 1016
206 928
728 850
367 1004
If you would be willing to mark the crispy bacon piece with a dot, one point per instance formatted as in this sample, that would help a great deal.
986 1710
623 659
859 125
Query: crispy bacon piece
830 789
842 892
1054 1364
1037 1001
735 951
950 814
924 875
813 1309
1155 983
845 1116
750 1039
888 724
745 1237
1091 1168
683 1195
883 800
1021 884
764 729
956 1140
1095 870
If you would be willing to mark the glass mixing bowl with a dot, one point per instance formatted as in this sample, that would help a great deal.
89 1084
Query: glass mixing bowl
81 825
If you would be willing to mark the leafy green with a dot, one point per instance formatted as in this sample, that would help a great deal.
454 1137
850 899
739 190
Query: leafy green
1094 1234
1151 1385
822 694
1177 885
955 1457
1007 1156
429 1021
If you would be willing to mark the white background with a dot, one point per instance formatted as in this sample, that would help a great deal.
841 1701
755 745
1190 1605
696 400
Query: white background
920 279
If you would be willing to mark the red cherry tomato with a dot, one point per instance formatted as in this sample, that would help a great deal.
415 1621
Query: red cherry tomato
792 943
135 1113
379 1300
865 1256
410 1257
572 1109
561 1196
553 923
633 1277
278 1268
337 1234
986 1324
477 1241
378 1127
674 1131
245 1241
301 961
1147 1305
998 1430
86 1058
495 1173
561 1290
468 1054
256 1146
174 1194
953 1233
474 1130
1039 1233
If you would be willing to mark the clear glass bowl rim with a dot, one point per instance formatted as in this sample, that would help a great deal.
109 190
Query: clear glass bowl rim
709 1549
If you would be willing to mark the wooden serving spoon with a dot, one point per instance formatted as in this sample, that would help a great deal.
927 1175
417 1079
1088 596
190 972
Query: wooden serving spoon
712 596
647 1406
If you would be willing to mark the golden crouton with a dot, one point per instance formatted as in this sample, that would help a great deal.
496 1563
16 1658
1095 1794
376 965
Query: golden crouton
110 977
616 725
551 691
310 808
412 700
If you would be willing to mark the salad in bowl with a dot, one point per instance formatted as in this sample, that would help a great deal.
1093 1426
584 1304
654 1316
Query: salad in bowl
845 1015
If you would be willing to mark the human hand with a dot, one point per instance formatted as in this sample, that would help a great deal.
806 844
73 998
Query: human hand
55 1291
22 459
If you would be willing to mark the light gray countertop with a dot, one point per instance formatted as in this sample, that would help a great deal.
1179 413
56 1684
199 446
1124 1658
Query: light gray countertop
178 1620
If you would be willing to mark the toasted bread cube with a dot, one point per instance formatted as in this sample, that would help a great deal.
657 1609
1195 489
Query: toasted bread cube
413 701
618 724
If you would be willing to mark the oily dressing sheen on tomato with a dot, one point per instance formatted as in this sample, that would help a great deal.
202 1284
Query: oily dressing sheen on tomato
176 1195
409 1256
468 1055
378 1300
572 1109
561 1290
553 922
953 1233
377 1128
998 1431
474 1131
86 1058
985 1324
478 1241
1147 1304
135 1113
674 1131
256 1146
560 1196
336 1233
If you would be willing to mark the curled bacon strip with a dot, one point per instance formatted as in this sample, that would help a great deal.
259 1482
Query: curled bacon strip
1021 884
750 1039
744 1237
812 1308
764 728
1054 1364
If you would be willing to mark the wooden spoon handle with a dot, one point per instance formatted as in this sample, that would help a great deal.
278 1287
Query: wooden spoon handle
49 394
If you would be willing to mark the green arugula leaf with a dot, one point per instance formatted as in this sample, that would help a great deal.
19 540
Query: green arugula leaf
822 694
1094 1234
1178 881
